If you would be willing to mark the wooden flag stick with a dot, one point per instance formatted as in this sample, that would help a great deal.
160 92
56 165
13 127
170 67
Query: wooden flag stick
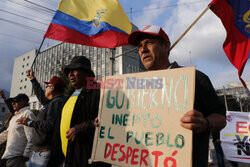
190 27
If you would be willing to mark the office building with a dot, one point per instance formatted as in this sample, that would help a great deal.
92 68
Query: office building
20 83
238 92
51 61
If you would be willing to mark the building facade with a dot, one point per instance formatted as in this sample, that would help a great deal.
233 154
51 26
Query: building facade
238 92
50 62
20 83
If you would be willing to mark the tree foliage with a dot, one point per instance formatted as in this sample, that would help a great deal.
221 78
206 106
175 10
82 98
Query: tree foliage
68 86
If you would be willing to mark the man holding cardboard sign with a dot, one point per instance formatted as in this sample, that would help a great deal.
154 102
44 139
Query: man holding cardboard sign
208 113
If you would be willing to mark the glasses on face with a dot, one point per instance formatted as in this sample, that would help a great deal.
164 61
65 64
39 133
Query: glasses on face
47 86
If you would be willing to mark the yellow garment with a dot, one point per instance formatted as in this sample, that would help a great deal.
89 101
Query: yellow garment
66 120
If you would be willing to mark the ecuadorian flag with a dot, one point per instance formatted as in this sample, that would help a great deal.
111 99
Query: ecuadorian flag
98 23
235 16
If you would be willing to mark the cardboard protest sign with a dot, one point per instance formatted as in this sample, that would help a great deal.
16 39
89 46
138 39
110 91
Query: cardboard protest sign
235 137
140 119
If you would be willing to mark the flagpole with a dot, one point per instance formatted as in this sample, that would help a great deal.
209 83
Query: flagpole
190 27
37 52
112 61
225 98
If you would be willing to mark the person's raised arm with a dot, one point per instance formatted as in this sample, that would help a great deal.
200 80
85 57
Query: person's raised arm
7 102
36 87
2 95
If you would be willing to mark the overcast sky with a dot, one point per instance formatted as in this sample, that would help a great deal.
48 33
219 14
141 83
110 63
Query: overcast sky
23 24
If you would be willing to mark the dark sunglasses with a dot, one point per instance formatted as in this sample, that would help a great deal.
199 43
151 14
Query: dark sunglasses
48 86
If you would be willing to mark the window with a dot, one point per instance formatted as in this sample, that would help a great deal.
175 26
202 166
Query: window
27 64
20 88
3 109
34 105
23 59
28 57
21 80
24 86
22 73
23 66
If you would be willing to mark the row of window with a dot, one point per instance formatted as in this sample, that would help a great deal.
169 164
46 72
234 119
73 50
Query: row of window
34 104
24 79
24 87
51 61
26 65
27 58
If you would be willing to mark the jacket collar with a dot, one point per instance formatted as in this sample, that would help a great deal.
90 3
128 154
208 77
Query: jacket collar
22 110
174 65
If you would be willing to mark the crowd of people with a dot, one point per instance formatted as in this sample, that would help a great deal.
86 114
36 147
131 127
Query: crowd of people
63 131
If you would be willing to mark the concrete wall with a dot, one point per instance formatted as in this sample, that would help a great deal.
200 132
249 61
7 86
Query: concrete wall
20 83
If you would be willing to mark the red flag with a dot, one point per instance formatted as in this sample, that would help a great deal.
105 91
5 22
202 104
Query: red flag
235 16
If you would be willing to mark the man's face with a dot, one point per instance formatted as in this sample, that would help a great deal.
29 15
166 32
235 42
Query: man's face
154 55
77 78
48 91
17 105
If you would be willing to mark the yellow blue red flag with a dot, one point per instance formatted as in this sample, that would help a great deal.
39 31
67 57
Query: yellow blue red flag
98 23
235 16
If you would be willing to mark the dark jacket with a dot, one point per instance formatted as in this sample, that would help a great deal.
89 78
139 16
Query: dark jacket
79 151
207 102
46 118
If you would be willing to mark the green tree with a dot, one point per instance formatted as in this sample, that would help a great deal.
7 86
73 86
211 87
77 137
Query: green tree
35 112
68 86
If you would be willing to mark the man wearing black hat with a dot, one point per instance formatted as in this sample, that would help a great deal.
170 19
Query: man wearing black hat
19 146
75 132
208 113
52 101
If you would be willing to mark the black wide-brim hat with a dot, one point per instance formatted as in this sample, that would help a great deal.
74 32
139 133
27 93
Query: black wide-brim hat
79 63
20 97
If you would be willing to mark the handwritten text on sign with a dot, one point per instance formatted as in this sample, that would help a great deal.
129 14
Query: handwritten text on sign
140 120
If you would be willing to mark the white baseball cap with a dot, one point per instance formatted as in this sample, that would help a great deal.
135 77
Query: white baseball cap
150 30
